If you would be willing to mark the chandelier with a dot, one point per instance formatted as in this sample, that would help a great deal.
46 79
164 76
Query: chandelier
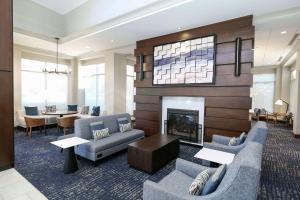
56 70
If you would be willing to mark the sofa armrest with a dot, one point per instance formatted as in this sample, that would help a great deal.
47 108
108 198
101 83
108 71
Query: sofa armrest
226 148
153 191
220 139
190 168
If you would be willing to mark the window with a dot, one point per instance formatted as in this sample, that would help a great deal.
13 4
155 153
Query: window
130 90
92 80
41 89
262 92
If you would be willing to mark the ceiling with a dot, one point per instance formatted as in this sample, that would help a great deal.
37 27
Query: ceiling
60 6
152 21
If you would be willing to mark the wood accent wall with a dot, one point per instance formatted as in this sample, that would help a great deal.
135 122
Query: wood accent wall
6 85
227 102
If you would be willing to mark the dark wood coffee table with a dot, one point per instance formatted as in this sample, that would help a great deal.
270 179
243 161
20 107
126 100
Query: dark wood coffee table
152 153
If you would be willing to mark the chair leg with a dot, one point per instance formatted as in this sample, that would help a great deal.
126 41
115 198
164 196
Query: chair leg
40 129
30 132
45 128
26 131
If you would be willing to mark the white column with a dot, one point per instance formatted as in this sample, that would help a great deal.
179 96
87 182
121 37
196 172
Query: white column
115 83
17 80
73 82
296 128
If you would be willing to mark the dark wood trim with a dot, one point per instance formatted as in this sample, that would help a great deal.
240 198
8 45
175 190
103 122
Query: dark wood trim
6 85
297 136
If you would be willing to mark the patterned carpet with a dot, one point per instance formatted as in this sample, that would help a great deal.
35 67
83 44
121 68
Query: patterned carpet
41 163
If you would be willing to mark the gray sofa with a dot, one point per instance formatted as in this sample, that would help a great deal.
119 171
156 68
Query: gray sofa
96 150
241 180
258 133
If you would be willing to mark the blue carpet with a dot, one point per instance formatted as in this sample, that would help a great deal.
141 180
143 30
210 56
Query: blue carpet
41 163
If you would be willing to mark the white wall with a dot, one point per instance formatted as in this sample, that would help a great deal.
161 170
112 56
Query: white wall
296 128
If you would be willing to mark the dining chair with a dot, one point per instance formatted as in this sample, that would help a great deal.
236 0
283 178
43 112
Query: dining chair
66 123
32 122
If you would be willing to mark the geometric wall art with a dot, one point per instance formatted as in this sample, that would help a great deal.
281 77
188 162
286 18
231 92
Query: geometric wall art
186 62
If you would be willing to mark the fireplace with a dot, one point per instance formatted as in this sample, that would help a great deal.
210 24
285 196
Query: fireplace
184 123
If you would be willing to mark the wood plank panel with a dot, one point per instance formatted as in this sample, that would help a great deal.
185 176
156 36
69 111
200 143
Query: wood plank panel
6 120
195 91
227 123
228 102
227 113
147 115
147 107
6 86
209 132
6 39
147 99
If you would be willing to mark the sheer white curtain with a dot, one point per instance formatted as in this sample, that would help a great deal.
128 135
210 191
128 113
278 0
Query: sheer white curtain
263 90
130 89
41 89
92 80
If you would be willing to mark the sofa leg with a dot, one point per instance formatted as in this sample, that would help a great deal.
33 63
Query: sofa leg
95 163
61 150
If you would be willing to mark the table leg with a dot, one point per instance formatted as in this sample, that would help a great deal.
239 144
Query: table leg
70 165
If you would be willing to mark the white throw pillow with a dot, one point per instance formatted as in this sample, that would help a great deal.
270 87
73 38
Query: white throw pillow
232 142
125 127
99 134
199 182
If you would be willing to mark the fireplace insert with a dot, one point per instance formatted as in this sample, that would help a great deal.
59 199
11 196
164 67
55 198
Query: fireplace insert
184 123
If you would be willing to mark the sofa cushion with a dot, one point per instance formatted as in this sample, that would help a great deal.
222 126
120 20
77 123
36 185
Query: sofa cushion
96 111
31 111
96 126
113 140
99 134
199 182
182 181
214 180
72 107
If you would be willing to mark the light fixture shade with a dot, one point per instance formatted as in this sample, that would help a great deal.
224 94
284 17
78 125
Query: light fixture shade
279 102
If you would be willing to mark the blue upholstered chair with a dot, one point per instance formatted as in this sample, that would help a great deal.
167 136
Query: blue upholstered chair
258 133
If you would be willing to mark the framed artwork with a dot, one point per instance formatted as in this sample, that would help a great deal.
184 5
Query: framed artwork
186 62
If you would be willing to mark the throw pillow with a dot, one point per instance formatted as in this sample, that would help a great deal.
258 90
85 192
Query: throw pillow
72 107
199 182
96 126
214 181
242 138
122 120
99 134
50 108
31 111
85 110
232 142
96 111
125 127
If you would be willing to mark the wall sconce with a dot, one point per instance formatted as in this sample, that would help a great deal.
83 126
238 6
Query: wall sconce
141 56
238 51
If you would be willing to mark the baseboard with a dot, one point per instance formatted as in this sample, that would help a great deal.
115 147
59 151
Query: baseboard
5 167
297 136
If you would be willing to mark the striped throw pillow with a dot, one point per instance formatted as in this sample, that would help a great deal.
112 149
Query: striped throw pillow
199 182
99 134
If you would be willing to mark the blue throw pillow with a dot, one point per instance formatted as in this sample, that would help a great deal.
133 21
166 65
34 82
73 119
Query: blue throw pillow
242 138
72 107
214 181
32 111
96 126
96 111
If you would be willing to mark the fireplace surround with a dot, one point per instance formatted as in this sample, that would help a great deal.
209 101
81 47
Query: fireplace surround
184 123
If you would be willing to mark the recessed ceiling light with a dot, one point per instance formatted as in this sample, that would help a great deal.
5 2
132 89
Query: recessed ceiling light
112 41
179 27
283 32
87 47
